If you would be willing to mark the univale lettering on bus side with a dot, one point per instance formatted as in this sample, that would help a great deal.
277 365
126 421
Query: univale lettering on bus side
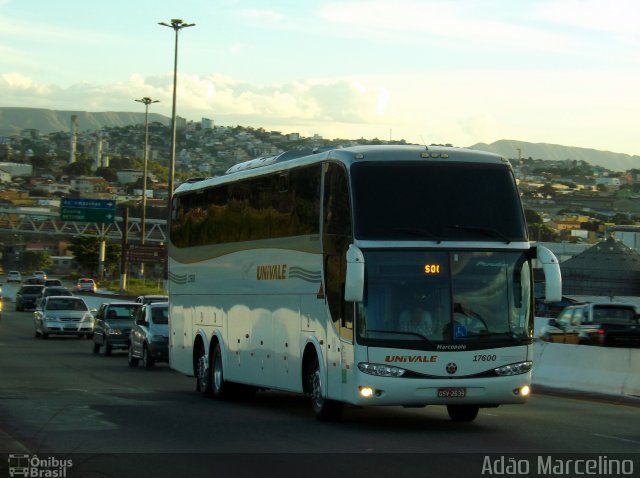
271 272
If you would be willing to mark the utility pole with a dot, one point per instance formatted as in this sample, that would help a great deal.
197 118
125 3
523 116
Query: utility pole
143 220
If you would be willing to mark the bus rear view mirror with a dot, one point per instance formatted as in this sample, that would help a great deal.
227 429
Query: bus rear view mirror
552 278
354 284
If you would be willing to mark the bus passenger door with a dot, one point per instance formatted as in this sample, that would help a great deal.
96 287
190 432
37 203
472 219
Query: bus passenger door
337 234
340 329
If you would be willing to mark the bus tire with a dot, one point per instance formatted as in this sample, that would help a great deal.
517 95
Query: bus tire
203 373
463 413
220 389
324 409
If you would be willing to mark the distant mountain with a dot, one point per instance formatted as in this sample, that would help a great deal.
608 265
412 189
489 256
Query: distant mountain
14 120
555 152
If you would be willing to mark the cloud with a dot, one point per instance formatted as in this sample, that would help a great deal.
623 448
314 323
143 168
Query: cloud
262 15
594 109
473 22
339 100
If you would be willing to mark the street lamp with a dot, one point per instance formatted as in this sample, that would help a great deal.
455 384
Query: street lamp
146 101
177 25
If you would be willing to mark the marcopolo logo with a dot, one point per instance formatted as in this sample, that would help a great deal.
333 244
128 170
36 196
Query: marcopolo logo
33 466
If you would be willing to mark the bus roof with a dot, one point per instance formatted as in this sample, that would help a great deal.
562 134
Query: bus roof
294 158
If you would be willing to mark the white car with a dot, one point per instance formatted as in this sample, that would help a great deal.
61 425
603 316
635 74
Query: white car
40 275
86 285
14 276
63 315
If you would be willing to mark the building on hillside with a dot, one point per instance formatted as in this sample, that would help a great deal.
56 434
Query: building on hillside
609 268
89 184
129 176
628 235
17 169
5 177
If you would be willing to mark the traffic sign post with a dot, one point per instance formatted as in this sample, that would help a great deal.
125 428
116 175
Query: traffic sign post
101 211
88 210
149 253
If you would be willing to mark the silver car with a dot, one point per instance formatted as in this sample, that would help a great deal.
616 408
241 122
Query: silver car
14 276
149 339
63 315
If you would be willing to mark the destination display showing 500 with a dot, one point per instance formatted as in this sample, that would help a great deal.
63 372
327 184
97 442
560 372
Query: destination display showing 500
432 269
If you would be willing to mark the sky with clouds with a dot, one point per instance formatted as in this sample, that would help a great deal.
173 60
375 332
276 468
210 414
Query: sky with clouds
434 71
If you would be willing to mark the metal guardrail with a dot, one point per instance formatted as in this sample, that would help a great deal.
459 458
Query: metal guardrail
18 221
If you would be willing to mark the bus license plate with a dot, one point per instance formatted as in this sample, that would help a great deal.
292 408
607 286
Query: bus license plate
452 392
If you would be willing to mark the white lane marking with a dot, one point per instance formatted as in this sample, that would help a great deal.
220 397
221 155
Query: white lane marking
616 438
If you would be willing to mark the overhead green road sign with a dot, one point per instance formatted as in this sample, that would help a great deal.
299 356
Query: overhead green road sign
88 210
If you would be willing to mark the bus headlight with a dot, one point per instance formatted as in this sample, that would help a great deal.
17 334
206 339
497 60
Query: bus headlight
381 370
514 368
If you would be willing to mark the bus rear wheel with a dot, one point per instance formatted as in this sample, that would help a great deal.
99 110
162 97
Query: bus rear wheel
203 373
220 388
463 413
324 409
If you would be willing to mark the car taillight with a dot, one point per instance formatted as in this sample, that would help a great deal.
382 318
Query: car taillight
601 331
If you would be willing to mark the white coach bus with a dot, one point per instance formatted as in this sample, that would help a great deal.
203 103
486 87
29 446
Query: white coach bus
372 275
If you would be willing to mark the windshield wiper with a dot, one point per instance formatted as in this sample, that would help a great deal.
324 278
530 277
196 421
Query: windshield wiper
416 231
487 231
509 335
398 332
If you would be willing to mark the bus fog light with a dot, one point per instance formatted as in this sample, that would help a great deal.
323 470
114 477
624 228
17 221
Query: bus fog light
523 391
366 392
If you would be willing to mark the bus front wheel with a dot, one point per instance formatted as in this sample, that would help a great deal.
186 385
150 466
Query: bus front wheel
325 410
462 413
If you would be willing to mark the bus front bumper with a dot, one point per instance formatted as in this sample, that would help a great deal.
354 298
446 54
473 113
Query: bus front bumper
372 391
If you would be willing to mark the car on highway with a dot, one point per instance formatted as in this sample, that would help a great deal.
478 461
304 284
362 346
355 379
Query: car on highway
33 280
53 290
113 322
27 296
150 298
52 282
63 315
40 274
606 323
84 284
14 276
149 339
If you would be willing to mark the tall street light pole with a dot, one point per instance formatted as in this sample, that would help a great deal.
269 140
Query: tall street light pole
177 25
146 101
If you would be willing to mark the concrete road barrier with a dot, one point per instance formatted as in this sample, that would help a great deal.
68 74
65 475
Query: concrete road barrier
606 370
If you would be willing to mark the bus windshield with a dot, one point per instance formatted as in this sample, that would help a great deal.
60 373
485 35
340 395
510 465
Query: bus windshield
436 201
439 299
